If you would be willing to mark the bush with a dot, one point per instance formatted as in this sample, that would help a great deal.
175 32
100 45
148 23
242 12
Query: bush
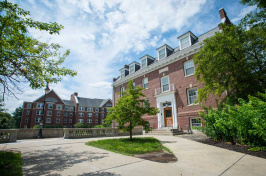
243 123
81 125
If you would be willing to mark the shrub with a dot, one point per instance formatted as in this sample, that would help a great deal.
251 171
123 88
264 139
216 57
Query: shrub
81 125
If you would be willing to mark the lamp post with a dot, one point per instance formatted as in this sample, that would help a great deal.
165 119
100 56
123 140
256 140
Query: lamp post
41 123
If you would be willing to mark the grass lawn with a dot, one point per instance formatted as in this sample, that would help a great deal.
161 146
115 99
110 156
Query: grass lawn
10 164
125 146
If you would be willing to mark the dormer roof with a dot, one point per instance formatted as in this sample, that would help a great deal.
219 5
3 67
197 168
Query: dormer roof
147 56
134 63
190 33
165 45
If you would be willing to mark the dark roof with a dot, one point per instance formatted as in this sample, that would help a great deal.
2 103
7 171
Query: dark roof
69 102
91 102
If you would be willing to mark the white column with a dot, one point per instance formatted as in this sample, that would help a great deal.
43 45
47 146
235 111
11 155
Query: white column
175 124
159 116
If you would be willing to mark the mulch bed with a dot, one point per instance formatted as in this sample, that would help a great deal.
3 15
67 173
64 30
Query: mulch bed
161 157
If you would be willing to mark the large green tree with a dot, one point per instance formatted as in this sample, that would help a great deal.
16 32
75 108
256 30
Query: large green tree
26 59
233 61
17 114
130 108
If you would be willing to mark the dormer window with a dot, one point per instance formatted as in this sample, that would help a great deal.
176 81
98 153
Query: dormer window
185 42
146 60
123 72
131 68
143 63
162 53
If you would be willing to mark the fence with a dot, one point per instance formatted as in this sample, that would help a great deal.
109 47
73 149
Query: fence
7 135
46 133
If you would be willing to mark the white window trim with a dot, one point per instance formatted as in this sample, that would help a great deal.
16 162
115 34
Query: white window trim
164 53
141 62
83 108
80 114
49 114
134 66
188 101
89 108
70 115
59 108
189 38
50 107
147 82
162 84
79 120
57 113
185 69
191 121
89 121
89 114
57 121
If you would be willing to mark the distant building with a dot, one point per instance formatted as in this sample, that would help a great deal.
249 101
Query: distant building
169 81
65 113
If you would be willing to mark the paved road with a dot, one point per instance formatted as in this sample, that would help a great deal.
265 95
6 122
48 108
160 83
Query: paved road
73 157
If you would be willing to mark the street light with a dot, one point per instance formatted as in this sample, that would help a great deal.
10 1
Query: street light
41 123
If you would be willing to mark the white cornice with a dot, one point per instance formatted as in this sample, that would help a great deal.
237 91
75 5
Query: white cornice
161 63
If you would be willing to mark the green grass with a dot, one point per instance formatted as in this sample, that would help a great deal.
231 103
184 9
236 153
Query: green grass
10 164
127 147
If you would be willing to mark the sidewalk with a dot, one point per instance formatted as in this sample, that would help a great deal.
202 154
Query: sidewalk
72 157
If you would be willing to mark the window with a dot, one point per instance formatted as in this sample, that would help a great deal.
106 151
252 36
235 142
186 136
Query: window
89 121
65 120
81 114
109 105
122 90
59 107
65 114
39 105
26 120
80 120
195 122
89 114
81 108
192 95
165 84
97 115
102 121
134 85
122 74
132 68
102 115
143 63
57 120
184 42
145 83
58 113
39 112
96 120
28 112
29 105
96 109
189 68
71 108
162 54
48 120
147 100
70 120
90 109
103 109
70 114
49 113
66 108
50 106
38 119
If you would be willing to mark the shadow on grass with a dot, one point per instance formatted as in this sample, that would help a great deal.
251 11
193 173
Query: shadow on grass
49 161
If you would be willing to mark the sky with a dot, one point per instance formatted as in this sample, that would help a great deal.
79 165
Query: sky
104 35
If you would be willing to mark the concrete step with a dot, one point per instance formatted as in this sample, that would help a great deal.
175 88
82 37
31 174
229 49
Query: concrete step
166 132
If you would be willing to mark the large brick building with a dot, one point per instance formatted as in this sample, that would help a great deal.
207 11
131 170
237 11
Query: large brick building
64 113
169 81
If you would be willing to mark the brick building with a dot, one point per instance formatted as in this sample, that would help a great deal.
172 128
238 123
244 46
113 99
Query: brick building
169 81
64 113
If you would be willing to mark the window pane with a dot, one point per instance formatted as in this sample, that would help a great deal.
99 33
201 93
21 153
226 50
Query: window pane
165 87
165 80
192 94
143 63
161 53
184 42
131 68
190 71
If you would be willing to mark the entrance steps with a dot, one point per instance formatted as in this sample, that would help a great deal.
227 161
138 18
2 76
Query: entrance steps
166 132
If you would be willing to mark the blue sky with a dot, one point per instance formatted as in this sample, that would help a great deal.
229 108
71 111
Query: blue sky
103 35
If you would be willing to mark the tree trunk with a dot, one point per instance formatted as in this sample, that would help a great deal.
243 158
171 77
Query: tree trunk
130 131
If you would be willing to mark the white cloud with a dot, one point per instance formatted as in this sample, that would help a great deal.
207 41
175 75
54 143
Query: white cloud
243 13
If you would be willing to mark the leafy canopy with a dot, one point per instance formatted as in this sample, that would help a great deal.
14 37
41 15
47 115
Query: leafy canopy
130 108
23 58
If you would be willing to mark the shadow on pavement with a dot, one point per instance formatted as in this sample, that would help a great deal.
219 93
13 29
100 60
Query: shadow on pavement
49 161
99 174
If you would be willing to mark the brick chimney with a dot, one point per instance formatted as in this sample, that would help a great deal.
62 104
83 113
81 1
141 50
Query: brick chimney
126 66
224 17
76 94
114 79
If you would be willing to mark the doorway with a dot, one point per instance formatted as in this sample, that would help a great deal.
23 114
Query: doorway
168 118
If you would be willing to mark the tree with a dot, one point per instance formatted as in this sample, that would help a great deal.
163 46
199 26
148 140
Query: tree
233 60
17 114
130 108
23 58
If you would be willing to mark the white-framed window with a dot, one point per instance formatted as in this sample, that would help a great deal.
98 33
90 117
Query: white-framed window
131 69
71 114
37 119
39 112
89 114
102 115
165 84
29 105
28 112
96 115
80 120
103 109
59 106
48 120
81 108
189 68
122 73
66 108
185 42
89 121
102 121
65 114
71 108
192 95
70 120
195 122
81 114
50 106
122 90
65 120
39 105
162 54
26 120
57 120
49 113
96 120
58 113
96 109
143 63
145 83
90 109
109 105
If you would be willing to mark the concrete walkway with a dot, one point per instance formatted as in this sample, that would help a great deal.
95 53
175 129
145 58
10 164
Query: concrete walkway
73 157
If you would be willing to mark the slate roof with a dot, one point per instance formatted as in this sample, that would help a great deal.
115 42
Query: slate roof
91 102
69 102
